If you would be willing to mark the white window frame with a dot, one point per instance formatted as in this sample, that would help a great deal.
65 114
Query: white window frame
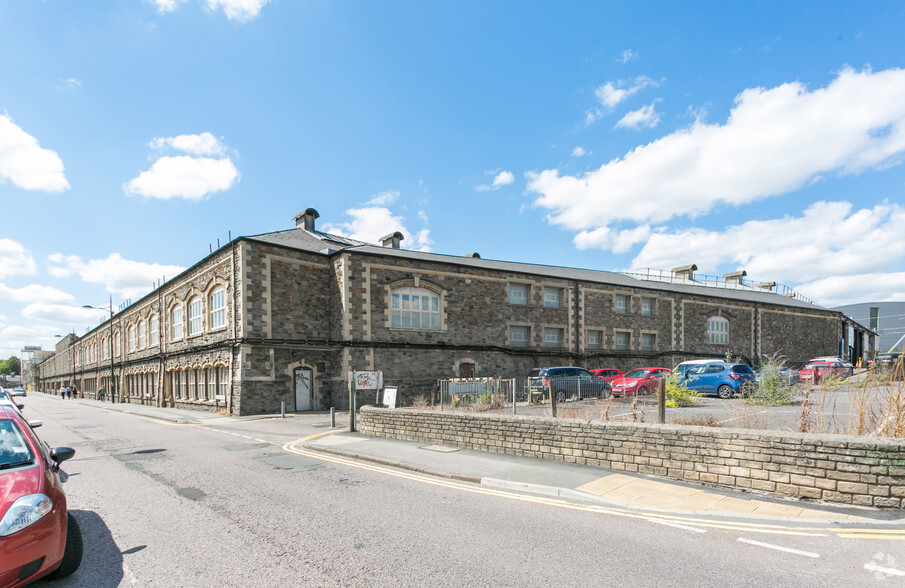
518 293
648 341
176 323
223 381
217 308
594 339
142 334
620 308
647 306
626 345
130 341
404 315
718 330
196 316
552 297
116 344
553 337
519 336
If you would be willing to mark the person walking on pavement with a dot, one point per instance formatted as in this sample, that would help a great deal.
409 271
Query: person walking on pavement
75 392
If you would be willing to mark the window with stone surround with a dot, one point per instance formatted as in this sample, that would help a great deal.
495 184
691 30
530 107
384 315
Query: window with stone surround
519 336
622 340
647 306
131 338
620 304
552 297
595 338
142 334
155 330
648 341
414 308
518 293
195 316
718 330
176 323
216 303
552 337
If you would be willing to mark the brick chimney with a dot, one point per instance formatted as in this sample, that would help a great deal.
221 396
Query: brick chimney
305 220
392 240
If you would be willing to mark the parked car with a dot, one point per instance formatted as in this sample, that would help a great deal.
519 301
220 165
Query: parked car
723 379
788 375
19 392
640 381
38 536
6 399
683 367
849 368
821 368
569 382
607 374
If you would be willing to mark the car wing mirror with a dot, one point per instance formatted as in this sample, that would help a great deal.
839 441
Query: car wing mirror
35 424
61 454
20 406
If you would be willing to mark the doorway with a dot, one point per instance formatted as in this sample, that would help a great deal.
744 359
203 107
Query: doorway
304 388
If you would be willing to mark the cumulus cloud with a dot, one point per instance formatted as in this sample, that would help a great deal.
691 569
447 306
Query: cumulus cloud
126 278
774 142
62 313
34 293
13 338
611 94
645 117
827 240
579 152
384 198
205 171
370 223
840 290
25 163
627 56
503 178
15 260
240 10
164 6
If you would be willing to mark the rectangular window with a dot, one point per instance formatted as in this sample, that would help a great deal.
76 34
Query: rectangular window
552 337
518 294
552 297
648 341
594 339
195 316
131 333
176 323
184 386
622 340
621 304
518 336
175 385
142 335
116 345
222 381
647 306
217 304
415 308
718 330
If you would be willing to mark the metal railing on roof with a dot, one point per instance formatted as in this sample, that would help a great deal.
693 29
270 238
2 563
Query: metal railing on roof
666 276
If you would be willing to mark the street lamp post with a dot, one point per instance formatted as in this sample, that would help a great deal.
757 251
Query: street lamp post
112 384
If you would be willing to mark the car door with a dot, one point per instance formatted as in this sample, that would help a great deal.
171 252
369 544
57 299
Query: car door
706 379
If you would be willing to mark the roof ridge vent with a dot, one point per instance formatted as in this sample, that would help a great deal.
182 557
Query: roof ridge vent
392 240
305 220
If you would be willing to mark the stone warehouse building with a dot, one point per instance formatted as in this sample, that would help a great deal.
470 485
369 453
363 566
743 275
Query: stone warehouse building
284 316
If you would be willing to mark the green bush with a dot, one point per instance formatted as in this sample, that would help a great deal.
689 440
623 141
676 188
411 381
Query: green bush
774 389
678 394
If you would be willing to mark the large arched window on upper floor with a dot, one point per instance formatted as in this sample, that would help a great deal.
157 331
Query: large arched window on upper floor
176 323
154 331
130 340
718 330
195 316
216 303
415 308
142 334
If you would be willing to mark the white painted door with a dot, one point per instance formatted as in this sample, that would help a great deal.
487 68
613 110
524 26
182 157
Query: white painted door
303 389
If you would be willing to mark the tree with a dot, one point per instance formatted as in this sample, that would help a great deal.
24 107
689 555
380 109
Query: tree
10 366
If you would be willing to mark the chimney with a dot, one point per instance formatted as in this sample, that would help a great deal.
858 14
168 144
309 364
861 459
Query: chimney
685 272
737 278
305 220
391 240
475 255
768 286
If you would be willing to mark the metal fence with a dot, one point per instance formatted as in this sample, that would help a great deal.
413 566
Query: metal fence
516 394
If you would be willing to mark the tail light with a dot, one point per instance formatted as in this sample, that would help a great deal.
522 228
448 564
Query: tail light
734 376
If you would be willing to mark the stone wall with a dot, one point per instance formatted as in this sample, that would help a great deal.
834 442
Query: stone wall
829 468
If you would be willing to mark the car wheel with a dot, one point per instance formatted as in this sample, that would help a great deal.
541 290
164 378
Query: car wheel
560 396
72 555
725 392
642 391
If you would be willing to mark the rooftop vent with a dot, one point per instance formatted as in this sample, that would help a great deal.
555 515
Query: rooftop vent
305 220
735 277
392 240
765 286
685 272
476 255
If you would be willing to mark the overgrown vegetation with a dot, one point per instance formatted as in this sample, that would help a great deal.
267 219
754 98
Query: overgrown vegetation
774 388
678 394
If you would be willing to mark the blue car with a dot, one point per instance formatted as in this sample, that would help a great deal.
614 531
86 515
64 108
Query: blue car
723 379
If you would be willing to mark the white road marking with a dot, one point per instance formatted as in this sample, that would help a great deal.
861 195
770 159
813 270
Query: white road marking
677 526
779 548
872 567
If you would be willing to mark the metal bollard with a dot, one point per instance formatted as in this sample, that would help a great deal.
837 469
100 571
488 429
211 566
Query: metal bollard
332 418
283 409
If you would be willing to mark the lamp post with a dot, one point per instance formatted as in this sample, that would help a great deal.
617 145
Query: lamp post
112 384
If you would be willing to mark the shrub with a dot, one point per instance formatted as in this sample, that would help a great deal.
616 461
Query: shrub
774 388
678 394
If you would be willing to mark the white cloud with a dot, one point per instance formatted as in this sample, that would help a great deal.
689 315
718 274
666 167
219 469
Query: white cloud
25 163
579 152
62 313
240 10
503 178
164 6
840 290
203 144
15 260
34 293
13 338
827 240
192 178
627 56
384 198
774 142
612 94
126 278
643 117
370 223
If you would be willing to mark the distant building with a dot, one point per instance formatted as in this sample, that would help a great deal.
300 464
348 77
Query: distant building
284 316
887 319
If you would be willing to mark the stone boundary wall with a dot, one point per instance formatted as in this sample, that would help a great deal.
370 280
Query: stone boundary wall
835 469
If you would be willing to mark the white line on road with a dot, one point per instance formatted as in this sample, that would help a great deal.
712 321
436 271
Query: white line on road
872 567
677 526
779 548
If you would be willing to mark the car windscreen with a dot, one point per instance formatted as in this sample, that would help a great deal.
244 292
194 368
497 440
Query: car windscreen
14 449
636 374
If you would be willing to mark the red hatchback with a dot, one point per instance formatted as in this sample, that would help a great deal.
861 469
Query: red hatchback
607 374
640 381
38 536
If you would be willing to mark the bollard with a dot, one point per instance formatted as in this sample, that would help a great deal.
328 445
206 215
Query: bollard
283 409
332 418
661 399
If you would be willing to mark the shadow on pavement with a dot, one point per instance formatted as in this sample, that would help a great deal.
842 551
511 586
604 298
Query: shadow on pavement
102 560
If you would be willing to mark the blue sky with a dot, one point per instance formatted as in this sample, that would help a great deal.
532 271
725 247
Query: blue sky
763 136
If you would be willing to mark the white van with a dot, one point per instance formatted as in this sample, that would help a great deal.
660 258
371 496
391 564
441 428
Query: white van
687 365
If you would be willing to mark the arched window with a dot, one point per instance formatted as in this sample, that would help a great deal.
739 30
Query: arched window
176 323
131 338
415 308
195 316
216 304
142 335
718 330
116 344
155 330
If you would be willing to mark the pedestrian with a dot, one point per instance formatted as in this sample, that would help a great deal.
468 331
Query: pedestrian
75 391
67 392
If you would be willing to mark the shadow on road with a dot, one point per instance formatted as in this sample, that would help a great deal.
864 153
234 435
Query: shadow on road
102 560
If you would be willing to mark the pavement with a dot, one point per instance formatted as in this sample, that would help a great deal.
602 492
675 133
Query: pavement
570 482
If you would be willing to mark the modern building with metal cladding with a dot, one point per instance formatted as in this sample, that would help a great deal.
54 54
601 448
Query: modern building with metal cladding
283 317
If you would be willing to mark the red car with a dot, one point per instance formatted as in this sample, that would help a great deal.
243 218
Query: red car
639 381
607 374
38 536
823 368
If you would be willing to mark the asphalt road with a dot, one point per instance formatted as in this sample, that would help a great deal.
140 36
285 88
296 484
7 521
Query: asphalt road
225 505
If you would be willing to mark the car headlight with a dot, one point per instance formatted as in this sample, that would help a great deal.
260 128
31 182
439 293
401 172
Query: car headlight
25 511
